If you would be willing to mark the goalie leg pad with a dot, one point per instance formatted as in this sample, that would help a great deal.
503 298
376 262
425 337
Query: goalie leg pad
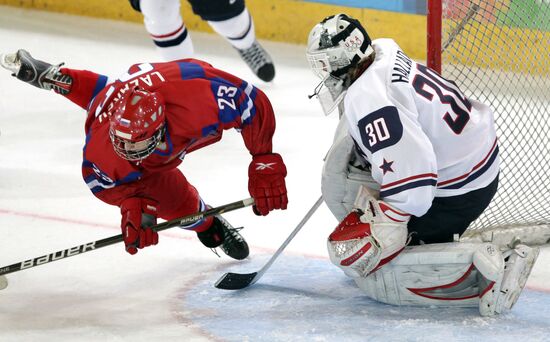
453 274
518 267
490 263
428 275
505 273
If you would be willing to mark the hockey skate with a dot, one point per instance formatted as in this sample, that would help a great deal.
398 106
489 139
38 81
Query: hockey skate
222 234
259 61
37 73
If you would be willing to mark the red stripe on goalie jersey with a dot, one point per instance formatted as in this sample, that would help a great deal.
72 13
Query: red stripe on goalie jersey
201 102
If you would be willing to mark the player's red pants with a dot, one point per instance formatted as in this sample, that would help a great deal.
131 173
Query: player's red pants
176 197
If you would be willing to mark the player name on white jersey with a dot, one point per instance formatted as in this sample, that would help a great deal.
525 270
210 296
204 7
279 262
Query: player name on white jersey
420 133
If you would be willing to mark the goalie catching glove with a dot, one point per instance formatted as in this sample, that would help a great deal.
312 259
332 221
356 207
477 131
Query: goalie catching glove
370 236
266 183
138 216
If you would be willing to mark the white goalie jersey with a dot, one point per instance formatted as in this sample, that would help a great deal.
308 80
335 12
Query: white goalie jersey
421 135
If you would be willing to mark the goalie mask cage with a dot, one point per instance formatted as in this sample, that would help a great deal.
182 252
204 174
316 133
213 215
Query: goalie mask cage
497 51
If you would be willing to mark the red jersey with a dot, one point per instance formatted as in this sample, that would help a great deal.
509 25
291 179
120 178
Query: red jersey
200 102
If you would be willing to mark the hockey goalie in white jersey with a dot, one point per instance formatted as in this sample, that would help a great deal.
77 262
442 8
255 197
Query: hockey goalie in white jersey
413 163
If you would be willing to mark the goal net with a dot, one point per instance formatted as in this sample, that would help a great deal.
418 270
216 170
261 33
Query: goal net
498 52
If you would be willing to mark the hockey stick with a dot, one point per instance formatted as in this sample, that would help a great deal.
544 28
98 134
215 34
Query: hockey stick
118 238
238 281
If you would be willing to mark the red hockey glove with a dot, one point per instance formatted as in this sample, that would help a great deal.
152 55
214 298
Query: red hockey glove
266 183
138 215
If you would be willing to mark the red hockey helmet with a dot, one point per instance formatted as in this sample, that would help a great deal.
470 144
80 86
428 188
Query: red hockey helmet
137 124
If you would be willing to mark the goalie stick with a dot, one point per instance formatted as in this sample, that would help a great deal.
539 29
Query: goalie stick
117 238
238 281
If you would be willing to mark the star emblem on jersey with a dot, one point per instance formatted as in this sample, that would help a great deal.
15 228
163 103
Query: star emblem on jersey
386 166
263 166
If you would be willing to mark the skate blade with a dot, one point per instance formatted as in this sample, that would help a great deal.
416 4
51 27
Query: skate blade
8 61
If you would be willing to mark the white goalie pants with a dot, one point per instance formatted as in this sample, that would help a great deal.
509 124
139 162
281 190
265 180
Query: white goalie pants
453 274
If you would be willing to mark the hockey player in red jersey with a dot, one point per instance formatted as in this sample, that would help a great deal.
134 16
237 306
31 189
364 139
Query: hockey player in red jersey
140 127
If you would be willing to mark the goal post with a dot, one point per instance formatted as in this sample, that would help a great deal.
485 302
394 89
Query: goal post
498 52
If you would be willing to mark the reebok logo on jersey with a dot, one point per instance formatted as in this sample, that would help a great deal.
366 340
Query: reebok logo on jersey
263 166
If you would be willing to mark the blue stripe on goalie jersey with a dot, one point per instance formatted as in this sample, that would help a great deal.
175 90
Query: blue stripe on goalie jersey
408 186
476 174
380 129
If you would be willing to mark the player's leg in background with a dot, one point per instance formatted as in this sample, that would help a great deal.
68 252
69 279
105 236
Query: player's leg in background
450 215
164 23
231 20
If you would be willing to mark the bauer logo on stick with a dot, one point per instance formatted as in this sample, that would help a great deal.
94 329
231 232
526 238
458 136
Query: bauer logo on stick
58 255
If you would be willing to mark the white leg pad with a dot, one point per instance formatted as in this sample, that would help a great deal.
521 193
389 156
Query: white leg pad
490 262
427 275
518 268
453 274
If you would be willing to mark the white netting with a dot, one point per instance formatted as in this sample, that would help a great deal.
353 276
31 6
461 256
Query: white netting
498 52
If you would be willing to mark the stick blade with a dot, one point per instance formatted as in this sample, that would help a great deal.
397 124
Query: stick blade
3 282
235 281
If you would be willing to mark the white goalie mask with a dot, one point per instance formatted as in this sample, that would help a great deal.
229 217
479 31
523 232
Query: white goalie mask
335 45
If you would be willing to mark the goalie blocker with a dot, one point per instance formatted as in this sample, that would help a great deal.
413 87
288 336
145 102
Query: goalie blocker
477 274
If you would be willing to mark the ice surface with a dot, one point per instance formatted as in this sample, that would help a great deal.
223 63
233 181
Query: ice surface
166 292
